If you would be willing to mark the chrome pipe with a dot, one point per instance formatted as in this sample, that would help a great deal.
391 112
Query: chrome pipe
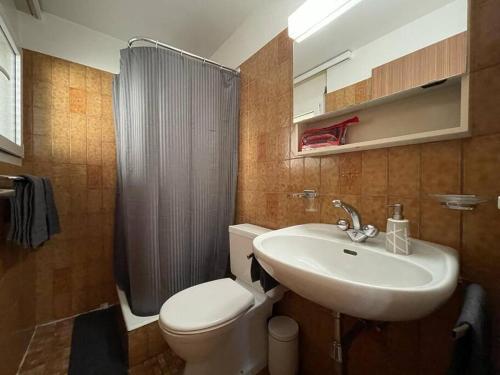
182 52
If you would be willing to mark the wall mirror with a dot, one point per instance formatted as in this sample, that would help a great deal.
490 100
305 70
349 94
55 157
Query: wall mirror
375 49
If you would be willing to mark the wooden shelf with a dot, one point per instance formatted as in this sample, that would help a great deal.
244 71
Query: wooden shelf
413 116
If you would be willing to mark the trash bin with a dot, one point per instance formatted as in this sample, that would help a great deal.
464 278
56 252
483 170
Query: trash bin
283 346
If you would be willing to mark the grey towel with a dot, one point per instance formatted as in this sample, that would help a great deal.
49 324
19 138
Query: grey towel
37 222
16 212
258 273
471 355
34 215
52 216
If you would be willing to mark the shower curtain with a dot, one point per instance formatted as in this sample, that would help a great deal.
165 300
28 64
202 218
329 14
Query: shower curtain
177 153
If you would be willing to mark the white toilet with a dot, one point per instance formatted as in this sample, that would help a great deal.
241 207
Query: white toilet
220 327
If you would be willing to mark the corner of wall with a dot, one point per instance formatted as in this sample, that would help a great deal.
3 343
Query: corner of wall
256 31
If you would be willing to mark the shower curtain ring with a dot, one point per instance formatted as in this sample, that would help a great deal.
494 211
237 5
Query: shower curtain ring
156 44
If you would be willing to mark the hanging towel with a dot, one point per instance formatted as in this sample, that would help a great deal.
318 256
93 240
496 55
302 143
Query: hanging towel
34 217
258 273
471 351
37 225
16 212
52 216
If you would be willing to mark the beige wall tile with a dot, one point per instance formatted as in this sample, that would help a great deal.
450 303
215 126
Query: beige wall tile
439 224
78 148
350 173
93 104
374 175
60 72
42 94
312 173
484 34
42 68
60 123
441 167
61 149
404 171
296 175
94 152
60 98
481 165
77 76
93 82
484 110
42 121
77 101
42 147
107 106
108 130
373 210
275 210
94 176
106 83
330 175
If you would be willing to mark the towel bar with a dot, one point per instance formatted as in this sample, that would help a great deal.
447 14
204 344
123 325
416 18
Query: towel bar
11 177
9 192
460 331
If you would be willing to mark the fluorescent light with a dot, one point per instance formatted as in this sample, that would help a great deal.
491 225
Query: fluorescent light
314 14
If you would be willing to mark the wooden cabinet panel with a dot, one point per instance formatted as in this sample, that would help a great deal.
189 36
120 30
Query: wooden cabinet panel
357 93
363 91
441 60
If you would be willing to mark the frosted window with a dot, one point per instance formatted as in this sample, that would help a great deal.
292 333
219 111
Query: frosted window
7 89
10 97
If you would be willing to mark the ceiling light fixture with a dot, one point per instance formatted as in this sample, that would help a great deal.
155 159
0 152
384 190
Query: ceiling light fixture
314 14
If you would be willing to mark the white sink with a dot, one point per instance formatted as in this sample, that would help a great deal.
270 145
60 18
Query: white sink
319 262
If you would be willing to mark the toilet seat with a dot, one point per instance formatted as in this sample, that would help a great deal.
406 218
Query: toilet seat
205 307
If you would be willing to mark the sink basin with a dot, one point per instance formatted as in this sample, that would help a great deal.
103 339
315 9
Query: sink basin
319 262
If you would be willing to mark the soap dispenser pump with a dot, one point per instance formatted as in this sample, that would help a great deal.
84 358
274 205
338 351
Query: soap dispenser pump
397 238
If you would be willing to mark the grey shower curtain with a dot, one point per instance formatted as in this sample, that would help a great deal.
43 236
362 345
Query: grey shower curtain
177 151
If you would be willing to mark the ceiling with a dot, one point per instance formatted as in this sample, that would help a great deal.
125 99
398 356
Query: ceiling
197 26
367 21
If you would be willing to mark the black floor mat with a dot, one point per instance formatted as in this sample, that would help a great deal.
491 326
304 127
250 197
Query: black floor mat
95 346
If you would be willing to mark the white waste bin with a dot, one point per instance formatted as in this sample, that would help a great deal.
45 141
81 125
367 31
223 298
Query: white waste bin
283 346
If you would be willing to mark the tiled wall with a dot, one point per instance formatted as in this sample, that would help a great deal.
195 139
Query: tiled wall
370 180
17 297
69 136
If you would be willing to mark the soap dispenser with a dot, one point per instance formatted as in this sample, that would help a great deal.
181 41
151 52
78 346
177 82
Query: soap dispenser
397 238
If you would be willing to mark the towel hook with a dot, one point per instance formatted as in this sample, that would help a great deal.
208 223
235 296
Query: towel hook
460 331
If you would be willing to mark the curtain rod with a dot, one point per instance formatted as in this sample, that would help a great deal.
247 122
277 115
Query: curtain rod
192 55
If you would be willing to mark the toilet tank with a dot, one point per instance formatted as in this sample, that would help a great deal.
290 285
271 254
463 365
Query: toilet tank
240 246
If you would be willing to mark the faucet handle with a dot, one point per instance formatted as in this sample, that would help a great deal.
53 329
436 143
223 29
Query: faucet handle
337 203
343 224
370 230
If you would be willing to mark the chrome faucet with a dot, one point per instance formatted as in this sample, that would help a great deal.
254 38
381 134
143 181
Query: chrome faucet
358 232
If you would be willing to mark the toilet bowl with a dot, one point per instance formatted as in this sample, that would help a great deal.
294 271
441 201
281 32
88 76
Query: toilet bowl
220 327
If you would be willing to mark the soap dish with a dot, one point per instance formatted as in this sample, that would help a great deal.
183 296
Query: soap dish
459 202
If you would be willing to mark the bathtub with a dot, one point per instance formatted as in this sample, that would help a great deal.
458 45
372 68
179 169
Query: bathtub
132 322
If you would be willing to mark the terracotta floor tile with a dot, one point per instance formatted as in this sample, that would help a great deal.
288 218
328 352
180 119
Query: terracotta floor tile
50 350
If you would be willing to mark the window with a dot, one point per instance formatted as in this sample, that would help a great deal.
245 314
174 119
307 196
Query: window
11 147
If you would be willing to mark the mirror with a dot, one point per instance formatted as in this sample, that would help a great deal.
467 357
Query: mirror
375 49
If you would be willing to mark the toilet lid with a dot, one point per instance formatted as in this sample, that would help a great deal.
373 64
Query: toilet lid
205 305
